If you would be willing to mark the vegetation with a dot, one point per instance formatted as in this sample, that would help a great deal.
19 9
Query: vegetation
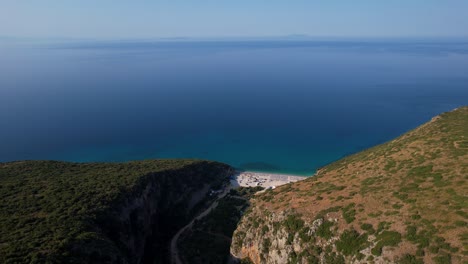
50 209
210 239
386 238
293 223
349 213
410 259
202 247
246 261
351 242
246 192
324 230
416 184
369 228
411 189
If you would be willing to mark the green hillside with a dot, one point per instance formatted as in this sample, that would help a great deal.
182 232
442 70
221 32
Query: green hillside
49 208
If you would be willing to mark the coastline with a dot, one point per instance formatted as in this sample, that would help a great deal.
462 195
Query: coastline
263 179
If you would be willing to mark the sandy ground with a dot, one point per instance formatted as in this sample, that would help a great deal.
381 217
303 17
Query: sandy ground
252 179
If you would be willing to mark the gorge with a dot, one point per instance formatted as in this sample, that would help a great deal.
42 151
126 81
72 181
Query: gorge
400 202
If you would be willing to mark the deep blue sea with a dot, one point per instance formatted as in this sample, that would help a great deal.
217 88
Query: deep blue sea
287 106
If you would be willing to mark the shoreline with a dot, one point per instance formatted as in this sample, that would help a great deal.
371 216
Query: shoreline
286 173
263 179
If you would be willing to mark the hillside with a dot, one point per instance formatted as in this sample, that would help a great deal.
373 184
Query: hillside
403 201
58 212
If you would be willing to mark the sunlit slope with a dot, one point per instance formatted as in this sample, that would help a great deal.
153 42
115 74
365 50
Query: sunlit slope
402 201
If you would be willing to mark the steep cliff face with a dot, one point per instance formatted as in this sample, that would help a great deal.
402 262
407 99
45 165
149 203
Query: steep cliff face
400 202
141 226
59 212
285 237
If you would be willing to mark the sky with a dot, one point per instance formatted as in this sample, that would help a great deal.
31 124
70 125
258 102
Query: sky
233 18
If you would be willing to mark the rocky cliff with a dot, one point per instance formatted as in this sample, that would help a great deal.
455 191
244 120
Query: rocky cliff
142 225
400 202
58 212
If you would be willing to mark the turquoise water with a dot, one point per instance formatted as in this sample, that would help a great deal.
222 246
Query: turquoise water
277 106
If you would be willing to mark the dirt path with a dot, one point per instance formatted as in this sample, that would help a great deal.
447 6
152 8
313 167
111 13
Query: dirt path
175 256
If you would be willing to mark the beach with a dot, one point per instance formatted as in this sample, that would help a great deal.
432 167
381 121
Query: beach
263 179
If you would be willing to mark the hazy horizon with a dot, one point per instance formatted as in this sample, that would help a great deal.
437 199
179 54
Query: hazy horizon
174 19
91 53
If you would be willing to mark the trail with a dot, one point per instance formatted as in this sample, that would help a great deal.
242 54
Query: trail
175 256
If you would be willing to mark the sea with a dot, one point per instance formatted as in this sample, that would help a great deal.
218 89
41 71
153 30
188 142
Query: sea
285 106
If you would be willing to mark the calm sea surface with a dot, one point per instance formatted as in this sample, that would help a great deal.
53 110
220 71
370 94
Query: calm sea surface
279 106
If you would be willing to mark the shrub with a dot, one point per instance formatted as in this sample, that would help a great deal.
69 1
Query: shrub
324 230
349 214
304 236
443 259
386 238
293 223
368 227
351 242
410 259
411 233
266 245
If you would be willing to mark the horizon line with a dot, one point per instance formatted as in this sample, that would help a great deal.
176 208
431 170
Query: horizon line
214 38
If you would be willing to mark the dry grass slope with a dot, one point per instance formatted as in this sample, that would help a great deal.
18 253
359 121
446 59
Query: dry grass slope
408 195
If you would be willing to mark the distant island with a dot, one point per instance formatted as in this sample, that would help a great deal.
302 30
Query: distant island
400 202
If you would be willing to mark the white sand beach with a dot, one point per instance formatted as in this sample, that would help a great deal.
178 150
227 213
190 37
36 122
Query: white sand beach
266 180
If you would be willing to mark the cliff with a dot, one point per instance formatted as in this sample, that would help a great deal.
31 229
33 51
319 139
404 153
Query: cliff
99 212
400 202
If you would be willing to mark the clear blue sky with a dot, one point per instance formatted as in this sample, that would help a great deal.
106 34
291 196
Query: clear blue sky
215 18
